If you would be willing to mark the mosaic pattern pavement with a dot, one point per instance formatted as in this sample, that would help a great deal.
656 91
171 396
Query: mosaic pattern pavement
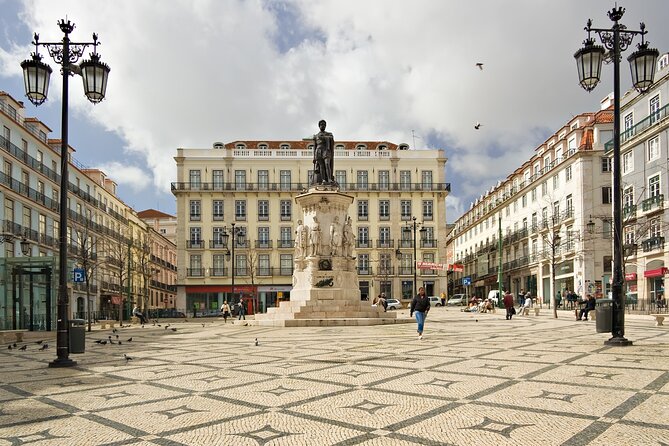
473 380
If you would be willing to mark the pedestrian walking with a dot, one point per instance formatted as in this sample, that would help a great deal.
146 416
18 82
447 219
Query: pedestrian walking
242 310
508 304
225 309
421 306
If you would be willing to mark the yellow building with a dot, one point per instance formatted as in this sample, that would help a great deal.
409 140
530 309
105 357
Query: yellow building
399 196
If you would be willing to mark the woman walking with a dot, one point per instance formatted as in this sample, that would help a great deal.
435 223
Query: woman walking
225 309
420 305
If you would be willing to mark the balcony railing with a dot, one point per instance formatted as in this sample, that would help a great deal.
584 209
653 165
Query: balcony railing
286 271
365 271
263 244
385 243
195 272
285 243
656 202
652 244
299 187
363 243
640 127
629 211
405 271
216 244
218 272
264 271
195 244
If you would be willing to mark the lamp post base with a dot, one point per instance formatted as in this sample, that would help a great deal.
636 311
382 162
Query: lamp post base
62 362
618 341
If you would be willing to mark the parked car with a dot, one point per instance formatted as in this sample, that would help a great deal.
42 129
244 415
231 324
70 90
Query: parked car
458 299
393 304
435 300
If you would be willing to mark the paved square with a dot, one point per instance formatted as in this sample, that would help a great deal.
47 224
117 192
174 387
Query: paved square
473 380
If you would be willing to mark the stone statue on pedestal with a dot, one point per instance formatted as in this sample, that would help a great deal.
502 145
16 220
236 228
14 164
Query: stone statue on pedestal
315 238
300 240
348 239
335 237
323 156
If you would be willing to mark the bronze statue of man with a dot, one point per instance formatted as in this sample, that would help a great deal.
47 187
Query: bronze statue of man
323 156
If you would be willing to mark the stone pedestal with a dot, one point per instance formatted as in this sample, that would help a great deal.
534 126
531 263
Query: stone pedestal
325 280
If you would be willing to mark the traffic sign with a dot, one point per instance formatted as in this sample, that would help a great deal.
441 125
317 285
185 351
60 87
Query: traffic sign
467 280
78 275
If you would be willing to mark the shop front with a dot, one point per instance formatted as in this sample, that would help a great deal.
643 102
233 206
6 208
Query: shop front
270 296
654 277
206 300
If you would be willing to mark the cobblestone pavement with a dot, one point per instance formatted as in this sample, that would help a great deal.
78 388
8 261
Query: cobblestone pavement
473 380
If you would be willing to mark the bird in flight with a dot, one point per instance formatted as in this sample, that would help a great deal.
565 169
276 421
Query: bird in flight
480 65
477 125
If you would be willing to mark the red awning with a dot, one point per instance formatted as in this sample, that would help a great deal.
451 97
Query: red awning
116 300
658 272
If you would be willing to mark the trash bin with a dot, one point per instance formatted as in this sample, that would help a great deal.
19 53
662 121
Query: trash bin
604 315
77 336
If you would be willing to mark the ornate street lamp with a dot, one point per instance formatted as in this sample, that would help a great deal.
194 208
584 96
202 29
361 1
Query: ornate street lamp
407 230
36 76
642 63
25 246
238 235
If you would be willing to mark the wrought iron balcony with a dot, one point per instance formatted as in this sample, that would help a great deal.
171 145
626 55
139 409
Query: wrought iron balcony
653 203
652 244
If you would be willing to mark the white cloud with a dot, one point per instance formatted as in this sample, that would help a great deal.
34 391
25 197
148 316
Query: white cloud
132 176
185 74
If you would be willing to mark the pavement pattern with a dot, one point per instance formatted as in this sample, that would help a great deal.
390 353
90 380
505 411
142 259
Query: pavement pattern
475 379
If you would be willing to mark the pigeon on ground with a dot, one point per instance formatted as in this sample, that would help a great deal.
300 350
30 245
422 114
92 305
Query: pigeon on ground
9 347
174 329
159 325
127 358
257 343
39 342
98 341
119 342
103 342
167 326
116 336
478 125
14 345
129 340
114 330
142 325
202 325
24 348
44 347
479 65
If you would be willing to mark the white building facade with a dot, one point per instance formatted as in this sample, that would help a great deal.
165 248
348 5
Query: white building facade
541 213
253 185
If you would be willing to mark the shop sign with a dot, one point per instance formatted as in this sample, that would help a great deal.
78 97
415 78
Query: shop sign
630 277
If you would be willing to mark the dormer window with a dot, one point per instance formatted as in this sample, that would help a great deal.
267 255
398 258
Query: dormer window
262 146
383 147
284 146
361 147
339 147
240 146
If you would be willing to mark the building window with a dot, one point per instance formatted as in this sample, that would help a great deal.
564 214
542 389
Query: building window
384 236
363 210
606 164
285 179
569 206
286 210
534 194
218 263
263 210
628 162
384 179
217 233
363 264
524 201
654 229
195 235
426 179
263 179
405 179
217 208
405 209
217 179
340 177
654 186
263 236
544 188
654 148
628 121
195 210
240 179
363 237
427 209
286 234
567 173
654 108
240 210
286 264
384 209
195 178
264 268
362 180
606 195
628 197
556 181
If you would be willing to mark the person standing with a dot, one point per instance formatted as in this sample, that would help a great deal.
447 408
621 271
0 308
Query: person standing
421 306
508 304
225 309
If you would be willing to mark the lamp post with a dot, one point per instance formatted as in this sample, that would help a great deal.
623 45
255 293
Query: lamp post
407 230
36 79
237 237
642 64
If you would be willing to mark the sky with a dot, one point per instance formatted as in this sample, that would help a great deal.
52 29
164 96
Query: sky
187 73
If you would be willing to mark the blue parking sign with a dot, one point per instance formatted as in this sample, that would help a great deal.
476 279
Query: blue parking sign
467 280
78 275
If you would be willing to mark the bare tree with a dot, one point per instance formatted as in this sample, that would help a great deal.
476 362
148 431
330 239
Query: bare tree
252 263
144 267
118 256
88 247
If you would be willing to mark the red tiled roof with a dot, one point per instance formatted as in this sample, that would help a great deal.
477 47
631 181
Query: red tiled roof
152 213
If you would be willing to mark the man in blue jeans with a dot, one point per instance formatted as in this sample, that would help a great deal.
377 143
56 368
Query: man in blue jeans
420 305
